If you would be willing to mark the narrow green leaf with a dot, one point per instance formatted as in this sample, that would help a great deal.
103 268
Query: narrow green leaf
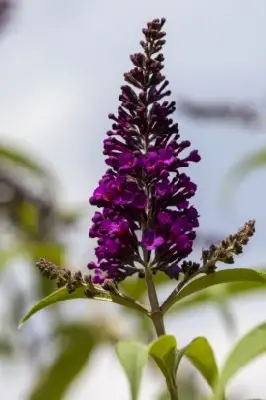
76 345
200 354
163 351
133 357
212 294
216 278
53 298
63 295
252 345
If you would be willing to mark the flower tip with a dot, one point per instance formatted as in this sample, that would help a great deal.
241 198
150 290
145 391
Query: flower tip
194 156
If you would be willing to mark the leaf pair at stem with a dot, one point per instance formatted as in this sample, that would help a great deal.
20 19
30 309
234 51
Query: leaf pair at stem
164 350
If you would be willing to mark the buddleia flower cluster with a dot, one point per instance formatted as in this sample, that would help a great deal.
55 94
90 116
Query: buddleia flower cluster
146 217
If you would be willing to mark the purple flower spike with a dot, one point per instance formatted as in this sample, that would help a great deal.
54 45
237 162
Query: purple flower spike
144 195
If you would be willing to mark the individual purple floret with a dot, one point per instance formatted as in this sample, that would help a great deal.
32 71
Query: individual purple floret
146 219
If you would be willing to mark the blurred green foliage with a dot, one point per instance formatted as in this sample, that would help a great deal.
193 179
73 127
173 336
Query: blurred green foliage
76 342
34 225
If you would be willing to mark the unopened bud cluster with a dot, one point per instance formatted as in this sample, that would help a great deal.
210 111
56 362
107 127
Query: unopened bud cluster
225 251
63 276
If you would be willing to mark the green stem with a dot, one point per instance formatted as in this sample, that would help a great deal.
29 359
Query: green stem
156 316
155 313
173 391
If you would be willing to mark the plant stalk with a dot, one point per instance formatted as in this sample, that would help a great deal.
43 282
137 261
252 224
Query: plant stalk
156 316
173 391
155 313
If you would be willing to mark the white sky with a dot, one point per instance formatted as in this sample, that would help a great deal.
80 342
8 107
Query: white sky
61 70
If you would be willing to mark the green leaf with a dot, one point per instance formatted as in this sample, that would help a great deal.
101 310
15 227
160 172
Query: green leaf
133 357
248 164
214 294
63 295
77 343
163 351
200 354
252 345
216 278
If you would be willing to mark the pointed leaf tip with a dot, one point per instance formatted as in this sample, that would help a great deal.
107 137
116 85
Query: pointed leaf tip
55 297
200 354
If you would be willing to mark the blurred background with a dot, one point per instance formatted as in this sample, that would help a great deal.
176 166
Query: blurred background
61 66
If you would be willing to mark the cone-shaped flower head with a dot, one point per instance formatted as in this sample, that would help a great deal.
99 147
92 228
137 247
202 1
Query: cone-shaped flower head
146 217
